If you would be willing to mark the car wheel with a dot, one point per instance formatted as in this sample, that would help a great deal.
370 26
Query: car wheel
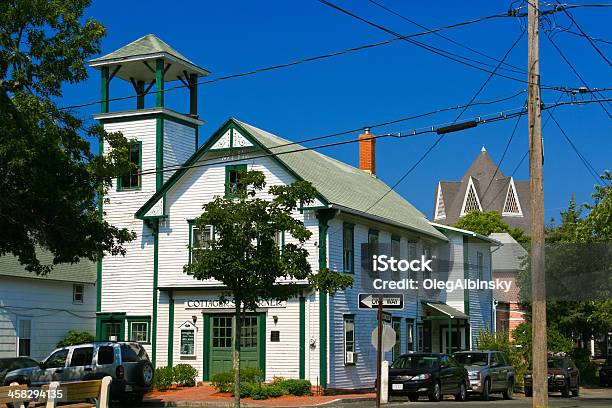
436 394
413 397
528 392
576 391
462 395
486 389
507 393
565 391
145 373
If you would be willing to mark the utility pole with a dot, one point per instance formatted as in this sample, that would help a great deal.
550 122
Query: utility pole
538 282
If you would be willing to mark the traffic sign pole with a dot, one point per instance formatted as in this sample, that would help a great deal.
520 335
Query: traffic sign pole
379 351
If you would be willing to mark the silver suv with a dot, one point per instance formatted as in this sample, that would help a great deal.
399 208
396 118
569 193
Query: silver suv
489 372
127 363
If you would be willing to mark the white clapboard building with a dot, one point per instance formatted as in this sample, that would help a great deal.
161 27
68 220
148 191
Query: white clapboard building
145 296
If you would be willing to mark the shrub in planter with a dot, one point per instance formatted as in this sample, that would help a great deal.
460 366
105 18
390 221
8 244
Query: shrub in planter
297 387
223 382
185 375
277 381
246 389
163 378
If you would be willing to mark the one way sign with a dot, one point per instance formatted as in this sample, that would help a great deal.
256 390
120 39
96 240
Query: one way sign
390 301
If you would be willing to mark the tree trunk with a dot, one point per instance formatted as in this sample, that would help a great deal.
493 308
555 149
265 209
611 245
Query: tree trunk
236 356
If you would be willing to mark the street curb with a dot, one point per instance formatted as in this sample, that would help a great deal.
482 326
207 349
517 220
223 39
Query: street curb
219 404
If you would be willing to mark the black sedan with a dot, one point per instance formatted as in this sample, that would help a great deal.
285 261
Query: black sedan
14 363
433 375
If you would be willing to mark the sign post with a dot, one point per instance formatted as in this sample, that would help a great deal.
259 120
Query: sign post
379 350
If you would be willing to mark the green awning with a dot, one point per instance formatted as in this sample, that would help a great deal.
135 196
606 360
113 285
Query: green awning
444 310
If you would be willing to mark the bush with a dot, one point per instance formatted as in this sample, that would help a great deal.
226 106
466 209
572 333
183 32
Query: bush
297 387
74 337
251 374
588 368
277 381
223 382
185 375
258 391
163 378
246 390
276 391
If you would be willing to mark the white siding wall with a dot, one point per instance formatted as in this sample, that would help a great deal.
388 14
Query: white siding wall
127 282
48 304
179 144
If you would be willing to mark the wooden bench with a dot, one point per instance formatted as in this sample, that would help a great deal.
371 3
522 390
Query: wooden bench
55 392
6 398
97 390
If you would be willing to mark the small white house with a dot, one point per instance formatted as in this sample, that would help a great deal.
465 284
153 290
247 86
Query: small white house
36 312
146 297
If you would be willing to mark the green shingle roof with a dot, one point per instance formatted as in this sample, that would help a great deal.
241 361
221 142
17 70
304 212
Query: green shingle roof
345 185
82 272
149 44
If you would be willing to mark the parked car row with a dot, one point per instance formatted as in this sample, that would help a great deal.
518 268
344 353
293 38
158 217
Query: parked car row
435 375
126 362
479 373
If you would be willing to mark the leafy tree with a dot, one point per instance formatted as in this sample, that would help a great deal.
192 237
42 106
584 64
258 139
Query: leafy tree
486 223
74 337
244 255
557 342
577 268
50 176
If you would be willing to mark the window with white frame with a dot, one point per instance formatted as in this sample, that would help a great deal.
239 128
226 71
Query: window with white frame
200 239
187 341
24 338
139 332
420 339
480 265
349 337
428 255
78 292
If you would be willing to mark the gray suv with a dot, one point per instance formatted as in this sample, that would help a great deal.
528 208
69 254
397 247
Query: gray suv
489 372
127 363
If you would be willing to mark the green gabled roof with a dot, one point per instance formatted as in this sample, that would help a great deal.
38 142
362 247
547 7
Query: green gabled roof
339 184
149 44
82 272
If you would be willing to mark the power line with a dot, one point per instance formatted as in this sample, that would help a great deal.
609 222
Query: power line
567 61
302 61
585 34
588 36
380 124
447 38
582 158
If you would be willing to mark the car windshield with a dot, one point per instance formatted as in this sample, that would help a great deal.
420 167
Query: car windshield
416 362
479 359
555 363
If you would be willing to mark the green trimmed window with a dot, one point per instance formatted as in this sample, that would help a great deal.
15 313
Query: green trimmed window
132 180
427 253
409 335
233 175
349 339
480 265
395 253
412 255
139 329
373 237
348 245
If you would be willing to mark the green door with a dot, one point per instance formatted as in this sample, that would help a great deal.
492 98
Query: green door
221 343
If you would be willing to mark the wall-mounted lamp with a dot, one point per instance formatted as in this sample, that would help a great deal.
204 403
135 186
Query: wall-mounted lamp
194 318
275 318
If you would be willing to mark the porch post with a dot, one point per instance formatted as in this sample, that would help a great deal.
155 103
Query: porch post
450 328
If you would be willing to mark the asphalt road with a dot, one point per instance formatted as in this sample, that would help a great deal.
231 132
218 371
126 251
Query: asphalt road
593 398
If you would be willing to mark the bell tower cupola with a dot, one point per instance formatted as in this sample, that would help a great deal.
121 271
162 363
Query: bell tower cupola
166 137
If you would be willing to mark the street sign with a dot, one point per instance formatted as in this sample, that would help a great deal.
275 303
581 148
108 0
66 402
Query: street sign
388 338
387 317
390 301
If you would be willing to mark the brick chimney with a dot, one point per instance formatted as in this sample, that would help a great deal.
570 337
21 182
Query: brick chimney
367 152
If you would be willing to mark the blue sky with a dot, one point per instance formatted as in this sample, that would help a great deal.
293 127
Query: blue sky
375 85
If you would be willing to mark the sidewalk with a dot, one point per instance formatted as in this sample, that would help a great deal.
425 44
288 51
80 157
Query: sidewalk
207 396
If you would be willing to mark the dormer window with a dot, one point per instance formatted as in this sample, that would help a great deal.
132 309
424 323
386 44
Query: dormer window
512 206
471 202
132 179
